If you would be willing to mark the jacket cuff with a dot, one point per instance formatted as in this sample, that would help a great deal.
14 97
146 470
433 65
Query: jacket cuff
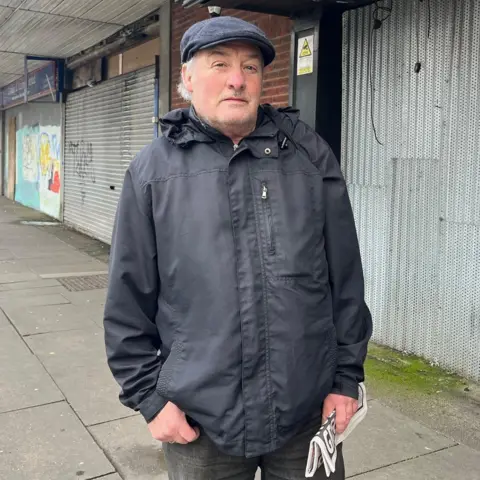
151 406
345 387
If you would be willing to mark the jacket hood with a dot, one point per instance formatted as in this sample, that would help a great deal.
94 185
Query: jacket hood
181 129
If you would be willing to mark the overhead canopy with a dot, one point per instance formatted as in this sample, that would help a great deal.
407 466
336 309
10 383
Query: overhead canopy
278 7
59 28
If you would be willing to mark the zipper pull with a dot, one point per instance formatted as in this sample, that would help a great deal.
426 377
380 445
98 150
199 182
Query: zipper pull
264 191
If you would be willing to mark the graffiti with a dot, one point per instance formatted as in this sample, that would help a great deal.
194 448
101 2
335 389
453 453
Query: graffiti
38 181
50 161
82 153
30 157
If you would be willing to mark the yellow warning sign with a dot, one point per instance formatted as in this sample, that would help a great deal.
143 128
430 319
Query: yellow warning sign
305 55
305 52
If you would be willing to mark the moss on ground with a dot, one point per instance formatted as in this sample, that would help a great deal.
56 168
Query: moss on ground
389 371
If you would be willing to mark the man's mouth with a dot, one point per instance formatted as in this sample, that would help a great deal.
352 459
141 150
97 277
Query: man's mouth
234 99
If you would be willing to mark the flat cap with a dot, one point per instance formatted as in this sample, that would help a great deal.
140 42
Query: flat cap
218 30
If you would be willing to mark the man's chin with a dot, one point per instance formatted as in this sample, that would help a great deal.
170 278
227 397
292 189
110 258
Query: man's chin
237 118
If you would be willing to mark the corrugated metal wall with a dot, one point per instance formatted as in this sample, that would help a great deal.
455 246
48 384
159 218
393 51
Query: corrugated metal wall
417 196
106 126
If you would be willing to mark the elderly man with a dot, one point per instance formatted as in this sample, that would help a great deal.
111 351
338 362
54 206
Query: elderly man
235 314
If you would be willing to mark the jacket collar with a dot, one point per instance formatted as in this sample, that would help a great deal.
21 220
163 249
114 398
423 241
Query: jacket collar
183 127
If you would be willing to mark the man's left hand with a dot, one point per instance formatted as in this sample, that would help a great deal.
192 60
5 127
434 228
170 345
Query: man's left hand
345 409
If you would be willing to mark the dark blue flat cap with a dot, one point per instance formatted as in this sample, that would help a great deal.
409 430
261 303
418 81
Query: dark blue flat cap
218 30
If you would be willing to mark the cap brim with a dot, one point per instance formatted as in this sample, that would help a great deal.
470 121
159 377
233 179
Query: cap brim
268 53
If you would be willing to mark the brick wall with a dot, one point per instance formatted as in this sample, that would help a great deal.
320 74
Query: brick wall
278 29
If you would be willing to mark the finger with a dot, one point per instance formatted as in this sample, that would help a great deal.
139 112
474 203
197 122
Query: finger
348 412
327 410
160 435
350 409
341 418
187 432
179 439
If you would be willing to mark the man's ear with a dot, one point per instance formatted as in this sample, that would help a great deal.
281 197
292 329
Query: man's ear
187 78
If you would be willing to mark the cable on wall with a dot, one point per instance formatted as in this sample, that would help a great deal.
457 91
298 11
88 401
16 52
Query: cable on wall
381 13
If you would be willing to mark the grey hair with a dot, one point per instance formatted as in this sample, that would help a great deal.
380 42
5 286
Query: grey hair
181 88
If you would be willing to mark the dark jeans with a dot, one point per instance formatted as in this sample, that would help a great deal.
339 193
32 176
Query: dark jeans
201 460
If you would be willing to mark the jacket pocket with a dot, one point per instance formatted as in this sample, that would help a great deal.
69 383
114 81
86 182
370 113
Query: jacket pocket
169 370
268 220
289 224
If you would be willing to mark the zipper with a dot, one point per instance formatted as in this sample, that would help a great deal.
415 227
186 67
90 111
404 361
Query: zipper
269 222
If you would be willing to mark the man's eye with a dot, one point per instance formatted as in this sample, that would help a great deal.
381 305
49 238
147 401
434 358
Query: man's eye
251 68
220 65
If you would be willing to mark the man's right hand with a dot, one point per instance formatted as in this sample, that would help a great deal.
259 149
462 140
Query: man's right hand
171 425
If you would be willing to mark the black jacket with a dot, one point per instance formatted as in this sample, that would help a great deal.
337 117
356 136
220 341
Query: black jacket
236 287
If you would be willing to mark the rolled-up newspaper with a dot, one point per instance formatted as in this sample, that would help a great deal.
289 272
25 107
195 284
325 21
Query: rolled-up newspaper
323 446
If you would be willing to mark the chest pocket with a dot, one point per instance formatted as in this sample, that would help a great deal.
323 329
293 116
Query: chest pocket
289 221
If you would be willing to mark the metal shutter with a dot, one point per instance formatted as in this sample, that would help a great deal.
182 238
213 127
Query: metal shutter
105 127
416 197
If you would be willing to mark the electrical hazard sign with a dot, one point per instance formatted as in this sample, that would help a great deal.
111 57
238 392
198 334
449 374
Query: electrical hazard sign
305 52
305 55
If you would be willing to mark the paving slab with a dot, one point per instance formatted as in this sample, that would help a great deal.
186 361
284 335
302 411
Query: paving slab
31 292
6 219
115 476
6 254
40 283
17 277
66 258
456 462
91 267
30 240
77 362
23 380
13 266
48 442
131 448
26 252
52 318
386 437
87 297
16 301
4 320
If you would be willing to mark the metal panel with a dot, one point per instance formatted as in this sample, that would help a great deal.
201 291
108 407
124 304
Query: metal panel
13 64
60 28
463 140
370 206
413 246
6 78
76 8
46 6
5 13
106 126
11 3
122 11
136 11
49 35
278 7
459 332
422 185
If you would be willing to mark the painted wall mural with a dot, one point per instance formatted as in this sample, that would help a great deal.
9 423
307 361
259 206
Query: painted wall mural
38 179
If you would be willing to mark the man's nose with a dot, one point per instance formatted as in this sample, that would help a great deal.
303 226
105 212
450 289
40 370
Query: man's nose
236 79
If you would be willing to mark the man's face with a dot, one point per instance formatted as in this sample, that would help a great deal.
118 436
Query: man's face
226 84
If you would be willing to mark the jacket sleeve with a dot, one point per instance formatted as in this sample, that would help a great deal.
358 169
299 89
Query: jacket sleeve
131 336
351 315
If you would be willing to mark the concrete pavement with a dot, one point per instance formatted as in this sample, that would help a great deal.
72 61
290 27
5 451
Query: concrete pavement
59 414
